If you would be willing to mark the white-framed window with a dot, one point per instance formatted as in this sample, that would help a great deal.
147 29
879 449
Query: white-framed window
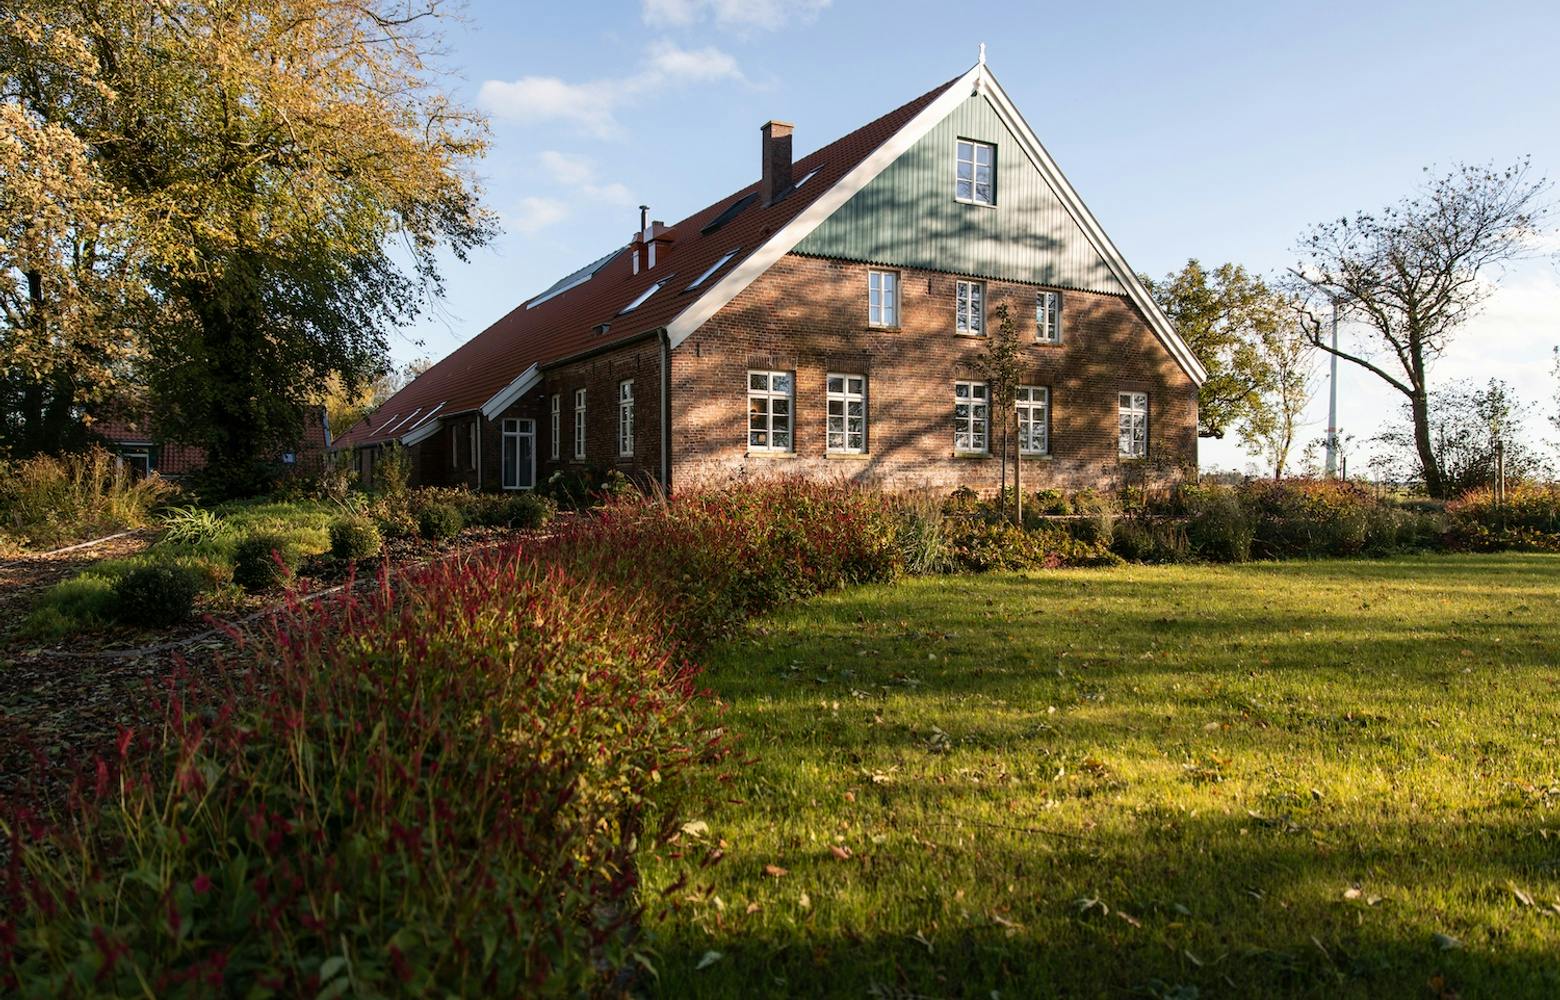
847 414
975 178
626 418
970 408
883 298
517 454
556 429
454 446
471 445
1133 408
970 308
1034 419
640 299
1048 317
579 424
770 395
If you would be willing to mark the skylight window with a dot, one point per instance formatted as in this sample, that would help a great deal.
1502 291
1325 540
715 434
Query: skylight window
805 178
573 280
724 260
644 295
731 212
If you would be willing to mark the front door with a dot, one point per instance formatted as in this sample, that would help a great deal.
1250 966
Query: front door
518 454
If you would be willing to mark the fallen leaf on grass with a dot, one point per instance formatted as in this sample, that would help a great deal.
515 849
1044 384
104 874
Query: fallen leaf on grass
1521 896
696 828
805 902
709 959
843 853
775 871
1446 942
753 908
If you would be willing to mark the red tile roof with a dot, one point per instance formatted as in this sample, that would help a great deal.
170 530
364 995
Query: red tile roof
565 325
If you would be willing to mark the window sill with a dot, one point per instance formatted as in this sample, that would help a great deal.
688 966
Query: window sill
847 456
1038 457
771 454
975 204
1131 459
972 456
969 336
1048 343
880 328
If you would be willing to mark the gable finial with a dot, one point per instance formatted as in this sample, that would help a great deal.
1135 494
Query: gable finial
983 53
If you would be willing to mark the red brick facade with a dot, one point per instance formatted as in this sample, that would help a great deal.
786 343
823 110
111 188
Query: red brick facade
809 316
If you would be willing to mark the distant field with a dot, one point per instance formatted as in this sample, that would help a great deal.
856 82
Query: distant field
1300 779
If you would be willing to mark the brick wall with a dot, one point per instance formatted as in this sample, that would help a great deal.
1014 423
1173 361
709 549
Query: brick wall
809 315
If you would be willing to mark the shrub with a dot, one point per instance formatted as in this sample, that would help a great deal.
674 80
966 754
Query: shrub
47 502
921 535
570 488
1307 517
615 486
439 521
988 545
355 538
157 596
528 511
1051 501
1218 528
263 561
1150 540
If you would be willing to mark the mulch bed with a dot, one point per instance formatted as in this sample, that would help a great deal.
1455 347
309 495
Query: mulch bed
64 703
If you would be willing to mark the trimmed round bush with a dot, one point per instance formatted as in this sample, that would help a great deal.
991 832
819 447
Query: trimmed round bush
156 596
528 510
354 538
263 562
1220 530
439 521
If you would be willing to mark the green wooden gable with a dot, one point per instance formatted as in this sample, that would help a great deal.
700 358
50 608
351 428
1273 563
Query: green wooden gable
907 215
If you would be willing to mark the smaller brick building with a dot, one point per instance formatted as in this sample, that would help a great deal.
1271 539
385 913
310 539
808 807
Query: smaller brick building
826 321
141 448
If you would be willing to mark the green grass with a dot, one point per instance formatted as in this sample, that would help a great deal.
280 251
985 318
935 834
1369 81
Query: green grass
85 602
1302 779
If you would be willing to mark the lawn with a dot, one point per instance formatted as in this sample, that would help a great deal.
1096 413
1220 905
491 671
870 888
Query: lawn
1296 779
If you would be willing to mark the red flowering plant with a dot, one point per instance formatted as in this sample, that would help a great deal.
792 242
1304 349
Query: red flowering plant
439 782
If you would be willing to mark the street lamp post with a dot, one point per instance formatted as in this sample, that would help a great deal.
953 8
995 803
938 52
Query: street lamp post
1332 400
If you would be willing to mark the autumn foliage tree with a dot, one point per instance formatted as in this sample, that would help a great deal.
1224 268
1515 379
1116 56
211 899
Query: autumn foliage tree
277 178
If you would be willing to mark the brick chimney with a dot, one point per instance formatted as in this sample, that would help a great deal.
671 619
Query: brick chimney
777 160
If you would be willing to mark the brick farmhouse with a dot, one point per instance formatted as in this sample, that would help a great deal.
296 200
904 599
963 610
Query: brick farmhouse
825 321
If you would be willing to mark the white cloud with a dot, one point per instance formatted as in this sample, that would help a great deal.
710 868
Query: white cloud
590 106
579 173
535 213
741 16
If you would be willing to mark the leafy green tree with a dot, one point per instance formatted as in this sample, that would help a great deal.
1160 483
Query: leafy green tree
1469 424
1412 273
1232 321
280 175
1269 428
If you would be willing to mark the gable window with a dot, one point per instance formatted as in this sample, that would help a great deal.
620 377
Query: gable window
769 410
971 309
1034 419
883 298
579 424
847 414
1133 408
517 456
969 417
557 405
1048 317
976 170
626 418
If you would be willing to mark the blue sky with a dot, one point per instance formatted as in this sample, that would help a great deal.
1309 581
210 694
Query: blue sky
1216 131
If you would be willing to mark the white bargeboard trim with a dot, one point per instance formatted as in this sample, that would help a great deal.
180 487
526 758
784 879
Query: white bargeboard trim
504 398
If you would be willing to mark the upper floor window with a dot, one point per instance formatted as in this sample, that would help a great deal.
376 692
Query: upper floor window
847 414
626 417
1048 317
971 311
883 298
970 404
976 166
1034 419
579 424
769 410
1133 408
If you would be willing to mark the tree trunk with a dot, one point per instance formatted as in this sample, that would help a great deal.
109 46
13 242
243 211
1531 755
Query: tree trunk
1435 484
1018 482
1002 489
